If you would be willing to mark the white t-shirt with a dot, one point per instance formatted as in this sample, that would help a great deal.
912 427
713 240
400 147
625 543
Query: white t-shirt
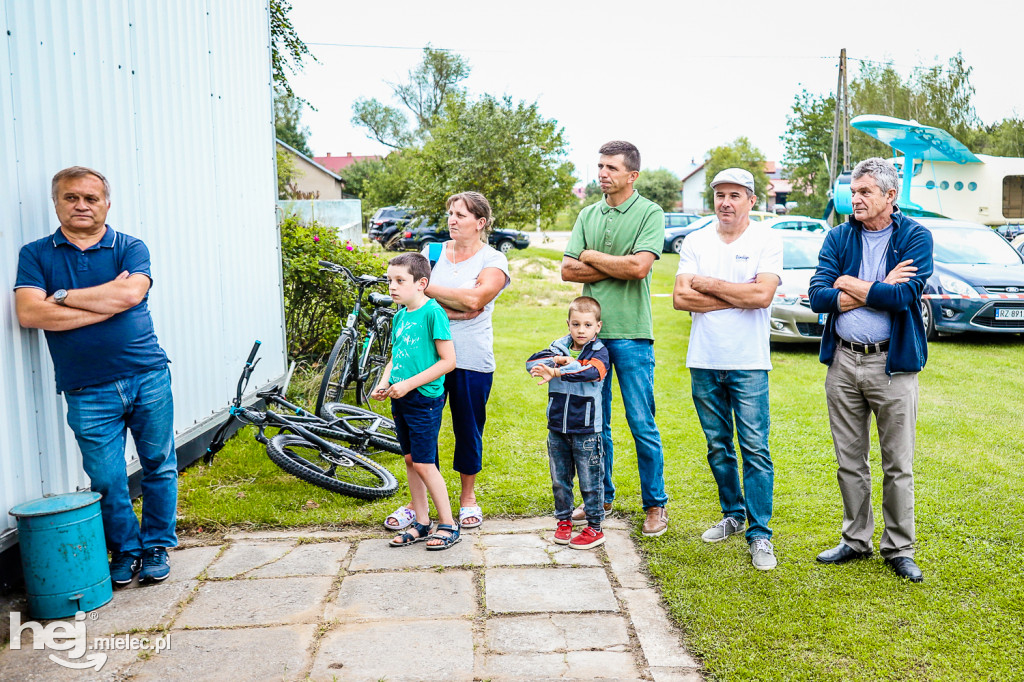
473 339
732 338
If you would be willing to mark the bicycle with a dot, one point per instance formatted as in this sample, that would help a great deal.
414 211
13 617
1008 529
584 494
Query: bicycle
304 447
349 362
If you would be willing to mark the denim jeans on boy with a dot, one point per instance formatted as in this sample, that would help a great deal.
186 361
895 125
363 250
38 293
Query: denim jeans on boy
571 454
100 417
633 361
718 395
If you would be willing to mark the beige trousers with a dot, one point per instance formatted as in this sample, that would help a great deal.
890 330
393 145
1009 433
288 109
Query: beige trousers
856 387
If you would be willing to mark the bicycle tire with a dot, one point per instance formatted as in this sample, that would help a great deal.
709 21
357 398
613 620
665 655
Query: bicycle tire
352 441
378 429
380 351
337 372
350 474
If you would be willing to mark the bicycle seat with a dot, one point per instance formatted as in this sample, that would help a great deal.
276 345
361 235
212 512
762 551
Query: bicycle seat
380 300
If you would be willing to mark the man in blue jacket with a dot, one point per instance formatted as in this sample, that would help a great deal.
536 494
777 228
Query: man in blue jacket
871 272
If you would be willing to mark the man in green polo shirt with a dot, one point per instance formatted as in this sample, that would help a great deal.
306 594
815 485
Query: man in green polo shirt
611 251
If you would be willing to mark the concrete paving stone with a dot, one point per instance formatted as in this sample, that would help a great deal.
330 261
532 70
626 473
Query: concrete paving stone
532 523
625 560
615 523
245 556
34 665
659 640
536 590
601 665
189 563
297 533
523 666
385 596
271 601
675 674
322 558
250 654
556 632
401 650
374 555
566 556
515 550
137 607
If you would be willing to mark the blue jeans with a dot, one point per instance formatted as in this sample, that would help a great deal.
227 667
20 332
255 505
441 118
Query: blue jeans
576 453
718 395
633 361
100 416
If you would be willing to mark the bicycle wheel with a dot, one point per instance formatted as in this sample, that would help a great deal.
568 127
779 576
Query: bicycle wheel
379 354
378 430
353 441
337 372
346 472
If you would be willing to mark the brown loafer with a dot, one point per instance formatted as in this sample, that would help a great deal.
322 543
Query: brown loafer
656 522
579 514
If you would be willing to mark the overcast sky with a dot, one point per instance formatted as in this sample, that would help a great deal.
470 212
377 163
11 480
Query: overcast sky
674 78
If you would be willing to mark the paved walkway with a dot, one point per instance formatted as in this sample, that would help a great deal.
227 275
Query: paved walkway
504 604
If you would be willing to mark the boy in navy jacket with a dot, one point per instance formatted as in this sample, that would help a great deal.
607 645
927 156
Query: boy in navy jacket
574 368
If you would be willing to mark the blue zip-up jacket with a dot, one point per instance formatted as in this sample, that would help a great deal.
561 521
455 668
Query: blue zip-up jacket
574 399
841 255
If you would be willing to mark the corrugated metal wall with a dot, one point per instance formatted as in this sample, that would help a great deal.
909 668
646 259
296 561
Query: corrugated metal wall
172 101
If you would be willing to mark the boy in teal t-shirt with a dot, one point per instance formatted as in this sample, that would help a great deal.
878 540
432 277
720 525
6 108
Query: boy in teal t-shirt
422 352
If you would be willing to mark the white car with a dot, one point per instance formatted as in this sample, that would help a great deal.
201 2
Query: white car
792 320
799 223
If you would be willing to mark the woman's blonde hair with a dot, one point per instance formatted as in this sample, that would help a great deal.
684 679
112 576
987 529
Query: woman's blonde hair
476 204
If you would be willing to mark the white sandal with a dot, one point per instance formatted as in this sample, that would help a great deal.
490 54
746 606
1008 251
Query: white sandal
403 517
470 512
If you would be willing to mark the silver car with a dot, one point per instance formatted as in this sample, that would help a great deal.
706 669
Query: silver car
792 320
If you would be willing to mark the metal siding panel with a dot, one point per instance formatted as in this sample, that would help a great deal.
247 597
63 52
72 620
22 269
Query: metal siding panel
173 103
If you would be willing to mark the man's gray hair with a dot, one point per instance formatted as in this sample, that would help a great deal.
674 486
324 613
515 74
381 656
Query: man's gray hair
884 173
77 172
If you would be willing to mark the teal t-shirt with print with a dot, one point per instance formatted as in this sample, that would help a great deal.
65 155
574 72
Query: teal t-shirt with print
412 344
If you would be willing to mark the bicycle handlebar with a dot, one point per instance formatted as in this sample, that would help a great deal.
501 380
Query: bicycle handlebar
252 353
342 270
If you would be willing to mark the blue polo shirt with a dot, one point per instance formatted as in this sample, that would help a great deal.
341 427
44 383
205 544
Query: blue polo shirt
118 347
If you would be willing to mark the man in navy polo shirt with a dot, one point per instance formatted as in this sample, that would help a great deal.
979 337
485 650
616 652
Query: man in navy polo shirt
87 286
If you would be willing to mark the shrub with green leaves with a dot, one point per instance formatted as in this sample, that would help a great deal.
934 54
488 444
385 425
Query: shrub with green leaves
314 301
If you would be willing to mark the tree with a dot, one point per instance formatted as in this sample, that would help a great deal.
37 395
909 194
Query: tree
428 88
286 171
359 174
1005 138
808 141
288 51
740 154
660 186
504 150
287 121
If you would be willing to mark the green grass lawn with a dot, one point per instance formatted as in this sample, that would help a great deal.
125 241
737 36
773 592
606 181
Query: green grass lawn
802 621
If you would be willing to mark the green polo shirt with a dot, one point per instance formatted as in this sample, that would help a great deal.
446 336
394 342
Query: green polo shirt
636 225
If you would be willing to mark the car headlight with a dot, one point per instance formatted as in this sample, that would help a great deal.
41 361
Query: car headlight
956 286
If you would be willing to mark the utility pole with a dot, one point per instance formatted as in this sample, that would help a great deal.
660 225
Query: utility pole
840 120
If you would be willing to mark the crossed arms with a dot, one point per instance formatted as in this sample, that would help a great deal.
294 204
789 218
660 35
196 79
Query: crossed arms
82 307
594 266
699 294
465 304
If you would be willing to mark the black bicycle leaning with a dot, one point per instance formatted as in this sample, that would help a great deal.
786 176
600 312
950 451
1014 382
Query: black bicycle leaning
357 359
309 447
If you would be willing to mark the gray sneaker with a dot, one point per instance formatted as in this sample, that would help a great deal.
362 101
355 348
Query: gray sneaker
762 554
723 529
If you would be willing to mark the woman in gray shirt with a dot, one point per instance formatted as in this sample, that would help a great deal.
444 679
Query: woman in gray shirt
467 276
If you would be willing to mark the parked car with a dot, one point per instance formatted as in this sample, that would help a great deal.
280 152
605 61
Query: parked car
798 222
792 320
386 225
675 234
1010 232
760 216
1018 243
972 260
426 231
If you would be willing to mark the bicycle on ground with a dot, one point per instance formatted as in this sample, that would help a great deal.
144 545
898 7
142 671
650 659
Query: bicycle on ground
310 447
357 360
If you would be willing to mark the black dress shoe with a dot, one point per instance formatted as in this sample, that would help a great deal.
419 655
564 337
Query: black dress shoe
841 554
905 567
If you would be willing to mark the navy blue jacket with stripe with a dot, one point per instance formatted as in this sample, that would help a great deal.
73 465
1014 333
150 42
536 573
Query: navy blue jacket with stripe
574 399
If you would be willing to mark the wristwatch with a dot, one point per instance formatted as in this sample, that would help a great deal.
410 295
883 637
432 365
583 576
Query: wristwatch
59 296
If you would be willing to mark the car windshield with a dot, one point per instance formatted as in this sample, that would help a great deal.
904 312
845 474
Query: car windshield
966 246
800 253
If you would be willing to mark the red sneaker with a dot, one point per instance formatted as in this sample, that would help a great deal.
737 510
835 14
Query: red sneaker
587 539
563 532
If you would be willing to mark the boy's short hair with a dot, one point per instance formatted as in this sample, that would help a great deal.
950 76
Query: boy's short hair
416 263
585 304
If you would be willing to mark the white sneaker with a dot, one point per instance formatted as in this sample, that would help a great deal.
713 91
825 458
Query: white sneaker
762 554
723 529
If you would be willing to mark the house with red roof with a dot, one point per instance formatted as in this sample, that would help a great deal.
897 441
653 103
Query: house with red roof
336 163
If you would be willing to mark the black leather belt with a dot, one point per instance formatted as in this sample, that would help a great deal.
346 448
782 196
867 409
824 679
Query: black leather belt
865 348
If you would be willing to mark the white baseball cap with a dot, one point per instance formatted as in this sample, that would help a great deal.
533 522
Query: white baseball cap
735 176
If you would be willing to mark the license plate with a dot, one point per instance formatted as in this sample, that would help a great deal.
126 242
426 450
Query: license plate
1010 313
821 318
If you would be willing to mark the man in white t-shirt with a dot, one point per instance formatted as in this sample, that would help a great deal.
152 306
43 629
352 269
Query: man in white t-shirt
727 277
